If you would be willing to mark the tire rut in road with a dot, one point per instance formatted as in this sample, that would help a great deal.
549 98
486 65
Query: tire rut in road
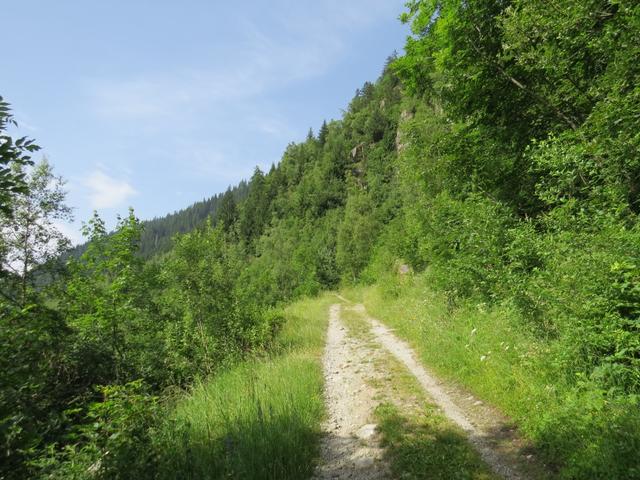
350 447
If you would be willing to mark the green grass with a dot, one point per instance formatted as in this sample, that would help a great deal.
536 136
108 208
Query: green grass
485 350
579 431
426 446
259 420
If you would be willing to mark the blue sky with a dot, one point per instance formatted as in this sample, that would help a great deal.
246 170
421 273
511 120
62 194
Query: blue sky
157 104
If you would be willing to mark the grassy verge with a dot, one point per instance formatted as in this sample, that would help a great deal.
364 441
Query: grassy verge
472 345
259 420
579 431
420 442
426 446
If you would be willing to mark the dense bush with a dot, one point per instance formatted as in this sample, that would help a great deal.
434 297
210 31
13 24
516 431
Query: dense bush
36 368
113 441
208 321
80 378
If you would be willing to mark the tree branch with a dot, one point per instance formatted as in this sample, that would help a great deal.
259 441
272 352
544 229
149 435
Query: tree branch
520 85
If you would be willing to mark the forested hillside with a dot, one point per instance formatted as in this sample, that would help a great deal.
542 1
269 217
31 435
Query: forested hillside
158 233
498 159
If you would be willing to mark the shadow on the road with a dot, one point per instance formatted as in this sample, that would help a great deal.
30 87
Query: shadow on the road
350 458
428 448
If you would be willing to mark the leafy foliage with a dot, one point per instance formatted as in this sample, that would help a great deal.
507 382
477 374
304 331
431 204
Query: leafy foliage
14 154
31 241
498 155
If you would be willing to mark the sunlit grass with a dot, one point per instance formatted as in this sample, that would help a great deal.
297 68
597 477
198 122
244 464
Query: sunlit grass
427 446
476 346
259 420
579 431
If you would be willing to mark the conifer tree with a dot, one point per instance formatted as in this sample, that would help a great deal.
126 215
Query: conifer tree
322 135
228 212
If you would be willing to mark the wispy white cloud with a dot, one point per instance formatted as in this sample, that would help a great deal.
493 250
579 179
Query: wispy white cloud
337 16
23 124
70 231
131 98
269 122
106 191
211 163
309 40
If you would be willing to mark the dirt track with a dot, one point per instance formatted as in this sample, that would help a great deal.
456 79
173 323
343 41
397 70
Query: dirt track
351 446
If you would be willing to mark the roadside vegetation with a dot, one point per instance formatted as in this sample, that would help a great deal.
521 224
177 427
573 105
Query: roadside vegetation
489 350
496 162
258 420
